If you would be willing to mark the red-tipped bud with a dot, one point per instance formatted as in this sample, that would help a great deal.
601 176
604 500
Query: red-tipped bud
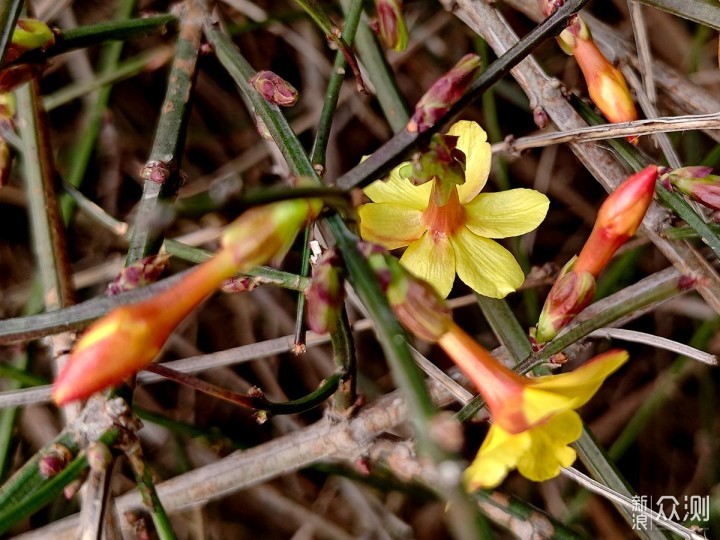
274 88
267 232
326 294
697 183
570 294
548 7
137 275
618 219
441 159
444 93
391 24
606 85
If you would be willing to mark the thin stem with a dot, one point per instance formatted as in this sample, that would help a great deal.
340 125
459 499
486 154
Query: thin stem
317 155
255 401
388 95
48 233
95 34
162 171
345 361
146 486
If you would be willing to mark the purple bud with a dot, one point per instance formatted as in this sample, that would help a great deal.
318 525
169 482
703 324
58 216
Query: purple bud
274 88
55 459
239 284
541 118
137 275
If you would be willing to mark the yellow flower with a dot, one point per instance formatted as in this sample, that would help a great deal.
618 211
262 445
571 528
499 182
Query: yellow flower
534 420
456 236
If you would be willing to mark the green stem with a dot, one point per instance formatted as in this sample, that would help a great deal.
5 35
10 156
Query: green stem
148 493
9 14
345 361
317 155
163 167
387 92
47 231
95 34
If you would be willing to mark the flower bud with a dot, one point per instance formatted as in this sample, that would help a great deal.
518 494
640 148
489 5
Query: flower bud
29 34
697 183
444 93
128 338
570 294
54 460
267 232
137 275
414 302
618 219
606 85
391 24
326 294
274 88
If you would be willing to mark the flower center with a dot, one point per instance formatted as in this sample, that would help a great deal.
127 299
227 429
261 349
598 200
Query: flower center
444 214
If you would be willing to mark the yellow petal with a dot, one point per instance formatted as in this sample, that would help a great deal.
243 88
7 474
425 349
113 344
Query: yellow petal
473 142
390 225
506 213
486 266
432 259
499 454
548 450
552 393
399 191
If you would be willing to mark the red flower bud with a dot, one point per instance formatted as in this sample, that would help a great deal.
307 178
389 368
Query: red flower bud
617 220
391 24
444 93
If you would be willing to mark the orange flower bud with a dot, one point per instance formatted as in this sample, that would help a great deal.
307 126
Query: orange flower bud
606 85
130 337
617 220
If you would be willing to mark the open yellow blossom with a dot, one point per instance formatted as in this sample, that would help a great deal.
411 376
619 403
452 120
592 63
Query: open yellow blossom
457 236
534 419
